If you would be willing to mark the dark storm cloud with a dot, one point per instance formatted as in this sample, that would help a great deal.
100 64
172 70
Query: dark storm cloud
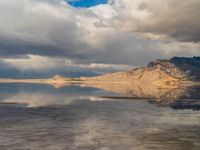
20 49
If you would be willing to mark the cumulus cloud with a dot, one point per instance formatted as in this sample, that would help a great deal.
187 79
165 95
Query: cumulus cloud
120 32
175 18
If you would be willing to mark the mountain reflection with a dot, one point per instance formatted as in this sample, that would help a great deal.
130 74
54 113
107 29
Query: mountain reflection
41 96
177 98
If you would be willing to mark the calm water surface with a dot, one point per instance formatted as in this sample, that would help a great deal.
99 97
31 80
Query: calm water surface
74 118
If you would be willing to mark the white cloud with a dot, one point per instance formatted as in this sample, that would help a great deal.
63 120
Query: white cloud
122 32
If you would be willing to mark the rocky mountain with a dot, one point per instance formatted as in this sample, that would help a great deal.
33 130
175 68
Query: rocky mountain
178 71
191 66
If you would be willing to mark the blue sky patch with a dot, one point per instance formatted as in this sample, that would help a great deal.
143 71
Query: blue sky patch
87 3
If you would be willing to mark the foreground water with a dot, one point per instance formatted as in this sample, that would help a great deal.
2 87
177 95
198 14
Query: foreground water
74 118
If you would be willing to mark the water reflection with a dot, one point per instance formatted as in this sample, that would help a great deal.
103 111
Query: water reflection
45 95
87 118
31 95
176 98
146 91
121 125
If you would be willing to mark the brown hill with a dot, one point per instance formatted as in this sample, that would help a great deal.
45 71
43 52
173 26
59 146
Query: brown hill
160 72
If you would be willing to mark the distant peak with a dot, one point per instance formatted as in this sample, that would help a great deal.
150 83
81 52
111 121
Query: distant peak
56 77
161 62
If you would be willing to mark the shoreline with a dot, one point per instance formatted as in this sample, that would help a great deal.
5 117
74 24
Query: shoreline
66 81
50 81
23 81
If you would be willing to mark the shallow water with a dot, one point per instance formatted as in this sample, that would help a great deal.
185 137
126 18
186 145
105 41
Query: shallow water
74 118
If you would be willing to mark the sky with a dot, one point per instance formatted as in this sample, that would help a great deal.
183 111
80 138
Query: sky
48 34
87 3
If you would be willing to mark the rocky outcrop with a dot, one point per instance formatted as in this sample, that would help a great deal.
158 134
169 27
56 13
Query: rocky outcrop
191 66
162 73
